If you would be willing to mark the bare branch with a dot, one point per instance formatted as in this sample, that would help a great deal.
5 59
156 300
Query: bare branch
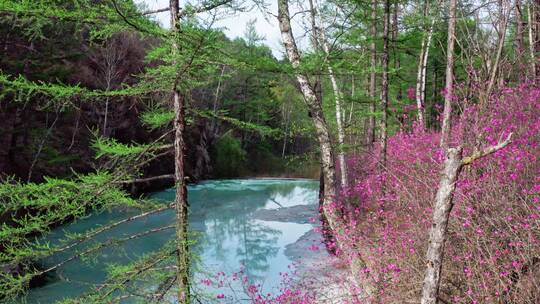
489 150
148 179
157 11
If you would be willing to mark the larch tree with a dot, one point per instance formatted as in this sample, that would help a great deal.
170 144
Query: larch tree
180 201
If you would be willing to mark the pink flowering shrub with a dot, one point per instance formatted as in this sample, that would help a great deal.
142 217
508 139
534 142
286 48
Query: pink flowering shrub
226 286
493 251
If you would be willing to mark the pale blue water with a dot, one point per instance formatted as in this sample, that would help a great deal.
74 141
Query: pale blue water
228 238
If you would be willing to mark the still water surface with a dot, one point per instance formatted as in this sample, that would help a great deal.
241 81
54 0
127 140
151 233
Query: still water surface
228 238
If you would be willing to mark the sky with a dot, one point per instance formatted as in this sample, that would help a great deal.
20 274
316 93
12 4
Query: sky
234 25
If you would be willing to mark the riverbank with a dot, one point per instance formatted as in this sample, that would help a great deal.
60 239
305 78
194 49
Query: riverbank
316 270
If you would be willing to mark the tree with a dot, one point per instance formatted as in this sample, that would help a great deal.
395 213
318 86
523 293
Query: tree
449 84
372 74
338 95
453 165
180 201
384 83
315 107
422 68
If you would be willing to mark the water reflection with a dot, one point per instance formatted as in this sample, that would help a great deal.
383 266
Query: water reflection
227 237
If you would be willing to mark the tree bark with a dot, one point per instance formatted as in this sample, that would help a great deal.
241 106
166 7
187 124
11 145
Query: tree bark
339 119
519 28
384 89
338 95
531 42
437 235
395 36
500 46
315 107
180 202
372 75
422 67
449 84
453 165
317 84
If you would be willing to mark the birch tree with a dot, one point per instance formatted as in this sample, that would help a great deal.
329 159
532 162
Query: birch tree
372 74
422 69
453 165
315 107
449 84
338 95
384 89
531 42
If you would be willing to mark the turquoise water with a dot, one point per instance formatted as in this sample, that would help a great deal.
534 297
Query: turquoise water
227 237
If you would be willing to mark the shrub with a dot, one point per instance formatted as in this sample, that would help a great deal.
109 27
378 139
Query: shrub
493 251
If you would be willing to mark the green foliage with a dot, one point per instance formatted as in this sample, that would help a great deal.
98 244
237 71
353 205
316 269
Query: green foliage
111 147
36 207
157 118
230 156
54 157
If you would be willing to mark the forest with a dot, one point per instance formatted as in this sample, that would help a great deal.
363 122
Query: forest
383 151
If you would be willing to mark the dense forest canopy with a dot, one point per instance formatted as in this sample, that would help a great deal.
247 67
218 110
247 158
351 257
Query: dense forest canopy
419 118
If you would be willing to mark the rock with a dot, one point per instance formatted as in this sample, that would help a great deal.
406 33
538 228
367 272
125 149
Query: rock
300 214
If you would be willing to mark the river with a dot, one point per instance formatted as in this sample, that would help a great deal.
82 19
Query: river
236 223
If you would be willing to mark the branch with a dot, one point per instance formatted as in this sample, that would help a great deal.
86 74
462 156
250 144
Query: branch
111 226
161 10
206 7
489 150
125 18
201 9
148 179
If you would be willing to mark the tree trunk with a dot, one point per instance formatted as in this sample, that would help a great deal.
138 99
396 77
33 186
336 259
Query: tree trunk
500 46
384 89
317 85
372 75
449 84
441 214
395 37
519 29
314 105
531 41
422 67
338 95
341 132
437 234
180 201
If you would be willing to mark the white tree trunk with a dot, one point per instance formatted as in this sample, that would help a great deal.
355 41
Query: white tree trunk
372 74
338 95
384 84
437 234
531 42
317 115
449 84
495 67
441 214
421 75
